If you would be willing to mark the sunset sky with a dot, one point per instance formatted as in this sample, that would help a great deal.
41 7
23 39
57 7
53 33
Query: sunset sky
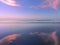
29 9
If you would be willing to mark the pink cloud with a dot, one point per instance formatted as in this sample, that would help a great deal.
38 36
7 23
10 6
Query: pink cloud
10 2
47 3
31 7
50 3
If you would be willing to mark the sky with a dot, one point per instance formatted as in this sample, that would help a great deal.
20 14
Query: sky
30 10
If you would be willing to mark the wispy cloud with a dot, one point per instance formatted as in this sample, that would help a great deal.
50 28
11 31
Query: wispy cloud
10 2
50 3
33 7
47 3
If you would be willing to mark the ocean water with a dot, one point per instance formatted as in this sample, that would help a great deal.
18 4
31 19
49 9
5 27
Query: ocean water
27 29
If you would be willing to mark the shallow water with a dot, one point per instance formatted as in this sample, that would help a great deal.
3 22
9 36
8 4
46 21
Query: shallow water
6 28
29 28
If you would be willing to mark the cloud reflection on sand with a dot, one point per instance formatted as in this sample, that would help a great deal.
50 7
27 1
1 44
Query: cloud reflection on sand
47 37
9 39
